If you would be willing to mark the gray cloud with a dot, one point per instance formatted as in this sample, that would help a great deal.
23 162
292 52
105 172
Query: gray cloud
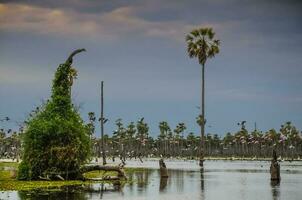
138 48
109 25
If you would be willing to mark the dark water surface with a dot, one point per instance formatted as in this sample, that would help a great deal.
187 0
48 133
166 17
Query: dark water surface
221 180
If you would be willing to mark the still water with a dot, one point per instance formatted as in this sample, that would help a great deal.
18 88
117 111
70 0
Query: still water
236 180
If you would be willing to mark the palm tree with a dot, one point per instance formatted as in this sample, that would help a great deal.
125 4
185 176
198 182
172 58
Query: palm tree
130 132
202 45
142 136
182 127
164 129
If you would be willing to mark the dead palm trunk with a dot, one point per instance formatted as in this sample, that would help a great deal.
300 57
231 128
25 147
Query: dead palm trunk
102 123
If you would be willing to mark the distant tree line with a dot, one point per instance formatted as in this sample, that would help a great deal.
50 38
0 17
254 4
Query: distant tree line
134 141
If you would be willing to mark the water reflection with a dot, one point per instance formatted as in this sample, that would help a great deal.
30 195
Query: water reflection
74 192
202 194
221 180
163 184
52 195
275 185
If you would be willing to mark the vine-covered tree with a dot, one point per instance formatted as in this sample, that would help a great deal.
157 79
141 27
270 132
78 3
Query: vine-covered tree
56 141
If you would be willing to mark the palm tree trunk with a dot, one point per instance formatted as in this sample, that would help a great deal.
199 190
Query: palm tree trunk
201 159
102 123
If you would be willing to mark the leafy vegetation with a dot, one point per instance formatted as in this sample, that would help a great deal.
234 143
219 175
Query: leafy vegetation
56 139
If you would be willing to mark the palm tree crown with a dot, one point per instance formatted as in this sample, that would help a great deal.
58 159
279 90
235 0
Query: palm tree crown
201 44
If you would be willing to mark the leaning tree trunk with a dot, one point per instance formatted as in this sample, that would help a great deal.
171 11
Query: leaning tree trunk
119 169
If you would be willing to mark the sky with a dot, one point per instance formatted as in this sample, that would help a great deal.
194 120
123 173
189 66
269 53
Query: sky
138 48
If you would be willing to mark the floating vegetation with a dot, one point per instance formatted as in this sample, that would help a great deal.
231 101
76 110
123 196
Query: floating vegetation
9 183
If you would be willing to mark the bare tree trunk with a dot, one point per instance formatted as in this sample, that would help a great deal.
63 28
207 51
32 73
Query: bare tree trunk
102 123
275 168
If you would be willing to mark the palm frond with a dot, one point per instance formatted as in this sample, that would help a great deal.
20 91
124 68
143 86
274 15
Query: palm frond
195 33
189 38
210 34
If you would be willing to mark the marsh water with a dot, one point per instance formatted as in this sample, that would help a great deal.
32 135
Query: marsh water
236 180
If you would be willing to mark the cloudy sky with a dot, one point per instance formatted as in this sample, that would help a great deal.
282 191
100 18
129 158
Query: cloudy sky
137 48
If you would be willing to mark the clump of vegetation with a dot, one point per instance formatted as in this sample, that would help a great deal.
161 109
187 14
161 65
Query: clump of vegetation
56 141
8 182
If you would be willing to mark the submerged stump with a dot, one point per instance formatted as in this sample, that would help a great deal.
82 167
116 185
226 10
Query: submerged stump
163 169
275 168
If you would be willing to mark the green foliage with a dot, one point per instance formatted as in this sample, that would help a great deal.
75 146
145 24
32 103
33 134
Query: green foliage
23 172
164 129
56 139
202 45
142 129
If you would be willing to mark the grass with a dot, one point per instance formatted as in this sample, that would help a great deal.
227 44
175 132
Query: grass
96 174
8 164
9 183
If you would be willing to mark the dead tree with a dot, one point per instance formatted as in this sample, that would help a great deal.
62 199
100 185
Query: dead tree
275 168
163 169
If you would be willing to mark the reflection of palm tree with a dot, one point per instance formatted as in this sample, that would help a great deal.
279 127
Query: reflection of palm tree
201 45
202 183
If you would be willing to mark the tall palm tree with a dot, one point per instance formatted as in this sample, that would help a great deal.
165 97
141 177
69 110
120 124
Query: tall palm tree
164 131
202 45
142 135
182 127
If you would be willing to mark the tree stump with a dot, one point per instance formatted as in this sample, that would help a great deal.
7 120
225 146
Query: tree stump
275 168
163 169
